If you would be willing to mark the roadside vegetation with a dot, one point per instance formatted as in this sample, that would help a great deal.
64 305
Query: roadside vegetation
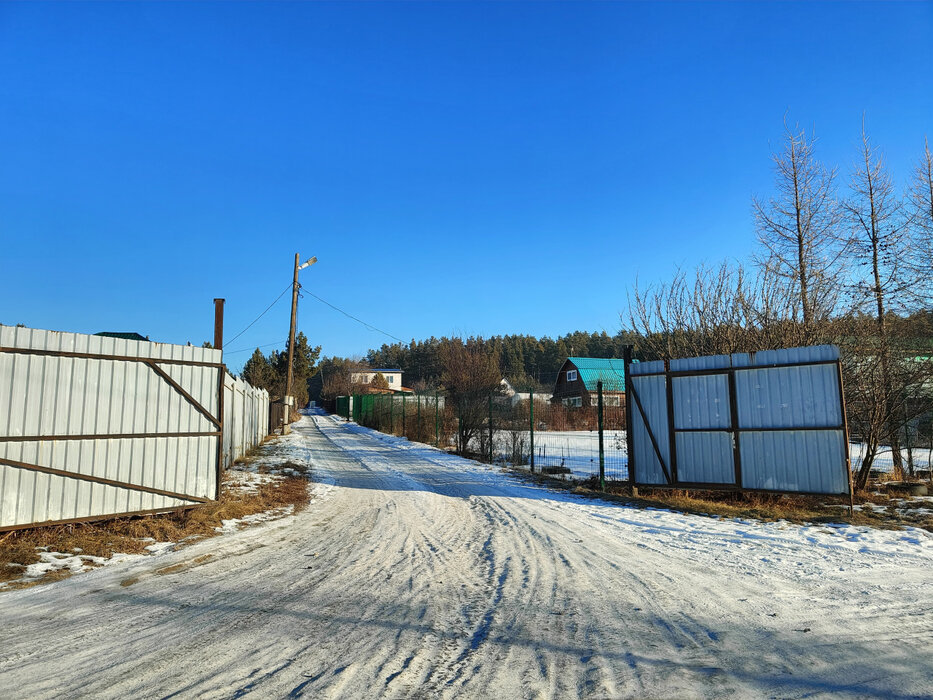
872 509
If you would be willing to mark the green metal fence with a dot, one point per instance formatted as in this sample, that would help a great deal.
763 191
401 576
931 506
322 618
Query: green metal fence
574 442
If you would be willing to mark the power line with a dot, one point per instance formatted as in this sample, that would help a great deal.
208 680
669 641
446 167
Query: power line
369 326
267 345
260 315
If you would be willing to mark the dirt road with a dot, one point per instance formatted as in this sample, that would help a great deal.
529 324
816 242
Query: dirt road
417 574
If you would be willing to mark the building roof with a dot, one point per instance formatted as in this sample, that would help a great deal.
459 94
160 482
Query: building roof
593 369
380 370
122 335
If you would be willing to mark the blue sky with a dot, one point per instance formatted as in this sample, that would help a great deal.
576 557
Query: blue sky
457 168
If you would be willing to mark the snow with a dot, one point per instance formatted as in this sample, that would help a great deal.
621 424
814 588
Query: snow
578 451
416 573
234 524
884 459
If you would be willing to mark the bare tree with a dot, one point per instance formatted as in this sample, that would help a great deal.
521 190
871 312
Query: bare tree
713 310
879 245
920 203
470 376
798 229
337 377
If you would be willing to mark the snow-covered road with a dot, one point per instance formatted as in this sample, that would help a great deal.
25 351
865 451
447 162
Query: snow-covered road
417 574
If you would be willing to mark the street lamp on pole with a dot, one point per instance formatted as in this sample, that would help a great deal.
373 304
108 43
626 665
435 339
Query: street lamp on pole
289 399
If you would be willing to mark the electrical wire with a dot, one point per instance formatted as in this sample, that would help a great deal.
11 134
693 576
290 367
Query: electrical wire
369 326
267 345
262 314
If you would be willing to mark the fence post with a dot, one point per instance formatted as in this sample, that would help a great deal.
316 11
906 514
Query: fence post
391 414
490 428
602 453
403 415
629 438
418 434
437 425
531 421
460 447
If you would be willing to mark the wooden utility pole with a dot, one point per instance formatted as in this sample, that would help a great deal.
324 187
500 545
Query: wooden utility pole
291 341
291 350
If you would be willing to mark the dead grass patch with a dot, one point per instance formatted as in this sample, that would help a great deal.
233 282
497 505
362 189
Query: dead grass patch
132 535
888 514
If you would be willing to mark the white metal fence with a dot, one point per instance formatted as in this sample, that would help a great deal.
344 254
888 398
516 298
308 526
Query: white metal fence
95 426
246 418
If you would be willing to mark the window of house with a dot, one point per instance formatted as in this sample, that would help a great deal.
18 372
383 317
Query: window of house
571 375
391 379
573 402
611 401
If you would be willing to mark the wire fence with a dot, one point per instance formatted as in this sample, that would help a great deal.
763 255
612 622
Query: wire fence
577 442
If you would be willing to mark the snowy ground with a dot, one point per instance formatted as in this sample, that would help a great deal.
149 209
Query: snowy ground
884 460
578 450
414 573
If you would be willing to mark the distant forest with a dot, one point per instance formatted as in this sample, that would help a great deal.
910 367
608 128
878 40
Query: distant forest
526 361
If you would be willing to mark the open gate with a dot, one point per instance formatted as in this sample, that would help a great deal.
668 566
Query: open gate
766 421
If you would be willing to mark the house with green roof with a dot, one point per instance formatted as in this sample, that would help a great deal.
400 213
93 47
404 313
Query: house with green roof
578 376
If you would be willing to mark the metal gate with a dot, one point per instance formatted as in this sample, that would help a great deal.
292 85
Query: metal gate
766 421
96 427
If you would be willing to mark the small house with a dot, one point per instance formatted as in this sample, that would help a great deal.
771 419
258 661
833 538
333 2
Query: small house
578 376
393 377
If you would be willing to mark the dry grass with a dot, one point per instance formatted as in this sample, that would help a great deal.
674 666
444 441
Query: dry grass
888 513
132 535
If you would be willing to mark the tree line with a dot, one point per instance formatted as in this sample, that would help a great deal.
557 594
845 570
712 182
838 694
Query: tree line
269 372
528 362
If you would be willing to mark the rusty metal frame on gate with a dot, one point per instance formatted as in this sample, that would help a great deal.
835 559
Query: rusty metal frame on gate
152 363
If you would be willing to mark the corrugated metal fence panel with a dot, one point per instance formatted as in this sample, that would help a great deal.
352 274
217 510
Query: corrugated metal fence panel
788 397
769 396
31 497
646 367
246 418
796 460
57 395
786 356
701 402
652 393
705 362
705 458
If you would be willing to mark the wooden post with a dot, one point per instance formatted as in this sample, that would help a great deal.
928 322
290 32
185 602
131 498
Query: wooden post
218 324
291 348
